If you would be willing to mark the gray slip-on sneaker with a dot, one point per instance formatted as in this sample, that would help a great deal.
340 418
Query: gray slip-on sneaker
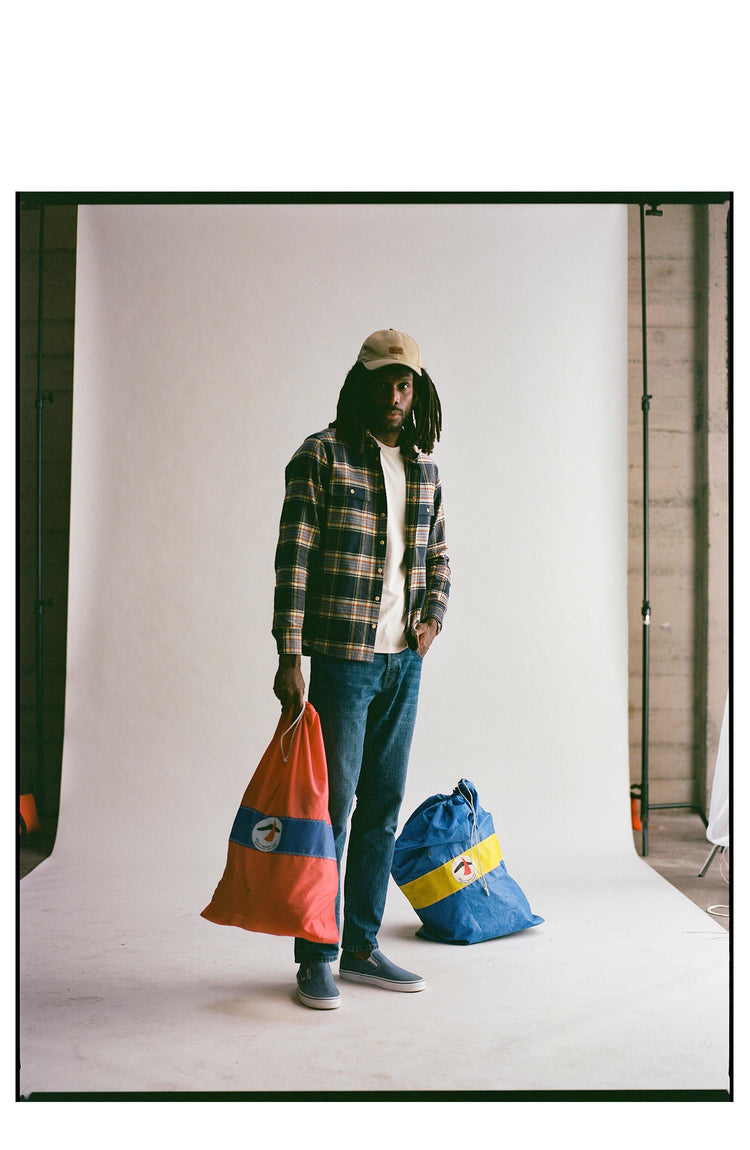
315 986
377 970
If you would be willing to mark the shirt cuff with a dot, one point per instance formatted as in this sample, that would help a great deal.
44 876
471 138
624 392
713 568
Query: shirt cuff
288 642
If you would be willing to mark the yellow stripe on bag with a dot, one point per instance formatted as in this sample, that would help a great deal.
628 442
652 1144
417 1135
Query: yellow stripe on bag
454 875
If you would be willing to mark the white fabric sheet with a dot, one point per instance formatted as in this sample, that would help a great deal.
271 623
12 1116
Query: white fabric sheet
718 815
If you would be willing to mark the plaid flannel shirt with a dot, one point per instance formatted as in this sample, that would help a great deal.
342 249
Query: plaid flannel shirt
331 548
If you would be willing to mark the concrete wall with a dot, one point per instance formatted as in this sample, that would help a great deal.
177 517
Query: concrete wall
686 293
718 479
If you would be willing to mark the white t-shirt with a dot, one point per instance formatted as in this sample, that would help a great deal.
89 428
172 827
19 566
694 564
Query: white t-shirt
390 636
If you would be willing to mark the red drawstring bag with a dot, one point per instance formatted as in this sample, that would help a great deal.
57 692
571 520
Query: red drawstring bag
281 875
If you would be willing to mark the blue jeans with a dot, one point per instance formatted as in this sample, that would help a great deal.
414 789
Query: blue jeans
367 713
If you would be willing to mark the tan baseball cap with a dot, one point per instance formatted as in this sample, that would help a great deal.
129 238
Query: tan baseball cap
390 346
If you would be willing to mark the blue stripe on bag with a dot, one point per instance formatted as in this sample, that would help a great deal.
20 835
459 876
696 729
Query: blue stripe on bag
312 838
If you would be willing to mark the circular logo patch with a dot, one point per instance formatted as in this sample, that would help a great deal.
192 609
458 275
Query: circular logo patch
465 869
266 834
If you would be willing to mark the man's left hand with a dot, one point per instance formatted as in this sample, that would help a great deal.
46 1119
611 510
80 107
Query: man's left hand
425 633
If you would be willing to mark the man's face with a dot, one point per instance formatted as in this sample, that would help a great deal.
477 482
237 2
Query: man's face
390 397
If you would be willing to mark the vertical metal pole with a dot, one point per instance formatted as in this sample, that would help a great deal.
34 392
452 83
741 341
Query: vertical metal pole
39 784
646 606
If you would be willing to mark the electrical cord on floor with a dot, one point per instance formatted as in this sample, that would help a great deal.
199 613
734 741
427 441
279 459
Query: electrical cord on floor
719 909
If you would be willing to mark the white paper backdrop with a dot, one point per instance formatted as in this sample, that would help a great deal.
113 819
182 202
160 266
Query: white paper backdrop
210 342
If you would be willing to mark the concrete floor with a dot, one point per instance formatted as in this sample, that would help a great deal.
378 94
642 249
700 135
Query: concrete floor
677 850
120 974
36 847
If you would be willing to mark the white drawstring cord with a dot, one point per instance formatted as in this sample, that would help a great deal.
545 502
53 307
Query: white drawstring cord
475 841
291 729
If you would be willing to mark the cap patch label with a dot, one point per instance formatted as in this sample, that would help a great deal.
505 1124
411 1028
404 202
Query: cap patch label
395 351
267 834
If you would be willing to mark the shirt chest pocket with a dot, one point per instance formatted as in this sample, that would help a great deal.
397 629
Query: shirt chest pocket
354 496
348 516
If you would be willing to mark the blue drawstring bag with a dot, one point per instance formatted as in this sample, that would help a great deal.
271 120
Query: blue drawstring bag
448 863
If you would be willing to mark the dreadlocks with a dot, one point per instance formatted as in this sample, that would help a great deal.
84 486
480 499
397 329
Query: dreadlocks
421 429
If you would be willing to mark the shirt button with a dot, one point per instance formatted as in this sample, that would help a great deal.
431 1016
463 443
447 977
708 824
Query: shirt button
377 598
382 542
374 626
380 570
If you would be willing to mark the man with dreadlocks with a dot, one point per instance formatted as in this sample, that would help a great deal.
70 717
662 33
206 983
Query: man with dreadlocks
362 581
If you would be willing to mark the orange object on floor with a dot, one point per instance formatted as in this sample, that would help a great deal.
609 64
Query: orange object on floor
28 819
635 820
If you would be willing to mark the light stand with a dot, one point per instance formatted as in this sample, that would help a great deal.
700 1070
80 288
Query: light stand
641 791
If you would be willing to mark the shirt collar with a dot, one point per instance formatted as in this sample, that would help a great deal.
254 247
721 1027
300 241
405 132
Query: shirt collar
408 451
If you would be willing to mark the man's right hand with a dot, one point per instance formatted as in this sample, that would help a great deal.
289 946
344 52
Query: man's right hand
289 684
